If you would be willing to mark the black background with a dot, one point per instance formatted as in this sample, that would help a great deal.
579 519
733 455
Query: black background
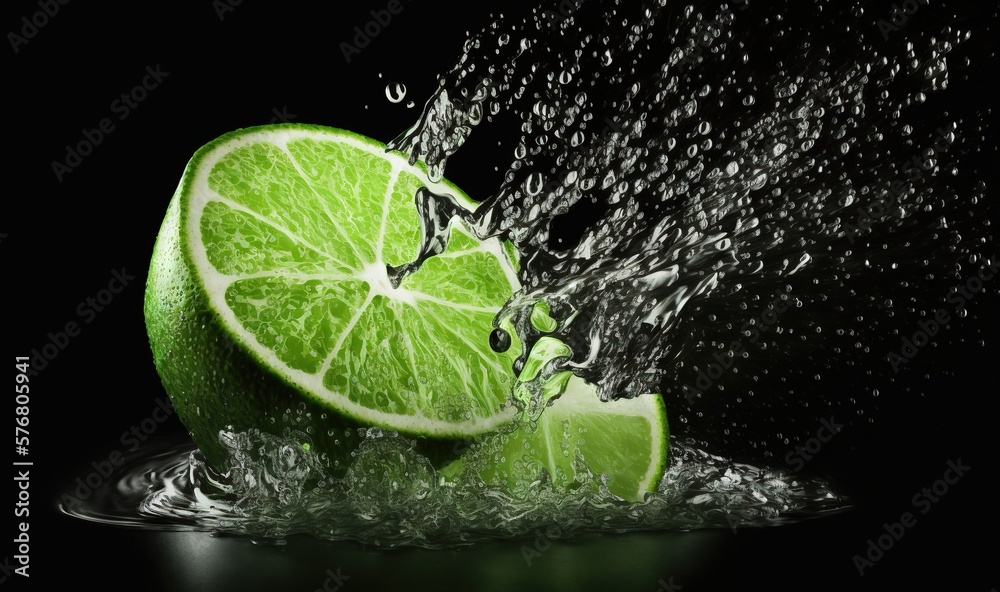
61 241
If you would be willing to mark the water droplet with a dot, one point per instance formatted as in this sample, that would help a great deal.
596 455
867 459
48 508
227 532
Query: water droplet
534 183
395 92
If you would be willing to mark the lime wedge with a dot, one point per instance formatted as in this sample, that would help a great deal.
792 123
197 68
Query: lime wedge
626 440
268 302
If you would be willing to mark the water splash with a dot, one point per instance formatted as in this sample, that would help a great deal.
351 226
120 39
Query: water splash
727 162
391 496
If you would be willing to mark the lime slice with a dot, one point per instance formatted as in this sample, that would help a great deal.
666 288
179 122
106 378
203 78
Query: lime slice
268 304
624 439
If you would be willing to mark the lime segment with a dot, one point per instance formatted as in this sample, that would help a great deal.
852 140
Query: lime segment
624 439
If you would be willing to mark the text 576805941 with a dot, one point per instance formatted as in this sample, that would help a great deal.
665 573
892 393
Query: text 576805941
22 472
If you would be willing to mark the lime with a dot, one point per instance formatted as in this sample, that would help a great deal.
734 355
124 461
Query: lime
626 440
268 303
269 307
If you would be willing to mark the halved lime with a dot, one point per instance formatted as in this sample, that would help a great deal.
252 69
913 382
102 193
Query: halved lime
268 302
269 307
